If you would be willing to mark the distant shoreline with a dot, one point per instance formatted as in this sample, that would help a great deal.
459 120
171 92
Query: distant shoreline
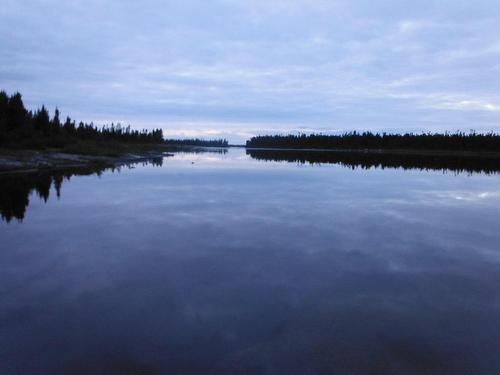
17 161
489 154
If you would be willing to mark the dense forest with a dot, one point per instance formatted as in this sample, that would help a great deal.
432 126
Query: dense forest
455 163
355 141
198 142
20 128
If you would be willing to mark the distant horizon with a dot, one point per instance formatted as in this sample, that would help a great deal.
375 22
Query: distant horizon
241 141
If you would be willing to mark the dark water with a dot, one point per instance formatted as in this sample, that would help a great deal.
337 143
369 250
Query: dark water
235 264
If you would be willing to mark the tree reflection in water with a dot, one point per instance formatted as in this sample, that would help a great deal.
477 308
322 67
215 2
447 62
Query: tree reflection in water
443 162
16 188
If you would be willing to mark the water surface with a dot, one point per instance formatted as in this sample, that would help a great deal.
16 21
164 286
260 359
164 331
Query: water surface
233 263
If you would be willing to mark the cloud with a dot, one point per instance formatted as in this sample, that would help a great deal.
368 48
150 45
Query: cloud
408 26
246 67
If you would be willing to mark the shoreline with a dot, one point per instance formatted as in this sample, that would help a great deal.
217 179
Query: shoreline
24 161
34 161
466 154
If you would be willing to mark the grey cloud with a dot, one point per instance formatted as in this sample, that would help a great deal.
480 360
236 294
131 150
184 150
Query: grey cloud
241 66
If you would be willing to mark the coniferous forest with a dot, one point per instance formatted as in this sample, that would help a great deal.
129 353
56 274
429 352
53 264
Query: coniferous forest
460 141
21 128
24 129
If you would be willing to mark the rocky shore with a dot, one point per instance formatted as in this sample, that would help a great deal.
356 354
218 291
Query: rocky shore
22 161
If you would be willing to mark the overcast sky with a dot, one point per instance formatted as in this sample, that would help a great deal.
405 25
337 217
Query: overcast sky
238 68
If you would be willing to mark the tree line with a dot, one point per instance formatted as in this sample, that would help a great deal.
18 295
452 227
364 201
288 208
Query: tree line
459 141
22 128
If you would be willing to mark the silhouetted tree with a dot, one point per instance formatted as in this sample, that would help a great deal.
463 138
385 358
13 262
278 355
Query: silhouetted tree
20 127
459 141
16 113
4 104
42 121
56 123
69 127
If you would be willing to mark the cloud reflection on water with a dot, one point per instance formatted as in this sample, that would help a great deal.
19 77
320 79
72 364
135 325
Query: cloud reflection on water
261 268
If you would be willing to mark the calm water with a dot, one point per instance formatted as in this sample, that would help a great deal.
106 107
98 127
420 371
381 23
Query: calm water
221 263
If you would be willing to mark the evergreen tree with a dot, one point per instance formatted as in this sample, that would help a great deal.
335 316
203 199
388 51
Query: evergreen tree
55 123
4 103
16 113
69 126
42 121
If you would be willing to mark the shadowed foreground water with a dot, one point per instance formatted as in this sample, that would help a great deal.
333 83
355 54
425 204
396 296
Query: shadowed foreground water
220 263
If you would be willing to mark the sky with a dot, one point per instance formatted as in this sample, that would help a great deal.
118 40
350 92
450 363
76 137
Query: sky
227 68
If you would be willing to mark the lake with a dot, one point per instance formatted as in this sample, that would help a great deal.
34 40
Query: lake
229 263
